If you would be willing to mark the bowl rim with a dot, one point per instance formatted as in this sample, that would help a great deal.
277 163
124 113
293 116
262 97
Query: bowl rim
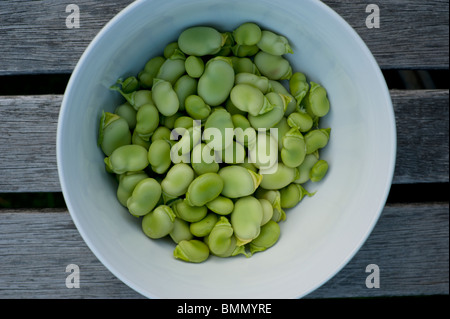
389 175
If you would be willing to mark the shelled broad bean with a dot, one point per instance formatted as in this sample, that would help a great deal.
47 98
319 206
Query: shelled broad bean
217 196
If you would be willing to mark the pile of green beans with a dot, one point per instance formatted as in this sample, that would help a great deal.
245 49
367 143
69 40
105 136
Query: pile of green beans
226 203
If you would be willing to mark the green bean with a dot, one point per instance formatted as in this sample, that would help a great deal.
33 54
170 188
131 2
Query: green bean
145 197
216 82
282 128
113 133
203 227
169 121
200 41
298 86
248 33
267 210
127 112
183 122
318 171
294 148
180 230
204 189
273 43
177 180
316 101
165 98
274 197
218 133
170 49
172 68
159 156
277 87
137 140
282 177
197 108
130 84
305 168
316 139
269 235
244 133
147 120
161 133
274 67
192 250
232 109
238 181
127 183
292 194
203 160
244 50
135 98
246 219
240 120
184 87
300 120
194 66
219 239
246 164
221 205
228 44
250 99
159 222
142 97
261 82
187 212
150 70
244 65
272 117
127 158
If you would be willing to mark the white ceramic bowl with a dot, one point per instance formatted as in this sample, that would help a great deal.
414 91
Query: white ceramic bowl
319 236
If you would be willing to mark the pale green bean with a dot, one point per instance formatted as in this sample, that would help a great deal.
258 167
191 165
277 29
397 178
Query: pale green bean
159 222
204 189
192 250
145 197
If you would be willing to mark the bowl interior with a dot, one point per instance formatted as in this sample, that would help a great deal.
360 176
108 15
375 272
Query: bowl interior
319 236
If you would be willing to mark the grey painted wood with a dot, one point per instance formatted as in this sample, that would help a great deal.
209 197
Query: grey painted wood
422 136
28 140
409 244
409 31
28 143
412 34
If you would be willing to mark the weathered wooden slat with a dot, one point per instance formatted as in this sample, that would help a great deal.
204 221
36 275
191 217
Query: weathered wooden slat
422 136
28 143
35 38
37 245
28 140
408 34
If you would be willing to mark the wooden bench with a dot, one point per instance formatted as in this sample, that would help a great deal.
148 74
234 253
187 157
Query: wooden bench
410 243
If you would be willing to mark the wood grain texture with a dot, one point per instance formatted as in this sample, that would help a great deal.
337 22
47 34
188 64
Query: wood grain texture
28 140
28 143
422 136
412 33
37 245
